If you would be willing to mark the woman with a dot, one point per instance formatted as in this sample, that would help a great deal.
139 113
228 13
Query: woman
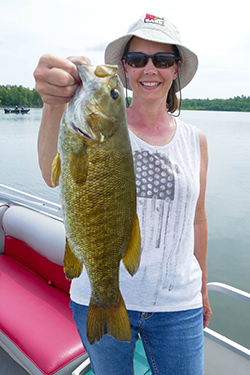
167 299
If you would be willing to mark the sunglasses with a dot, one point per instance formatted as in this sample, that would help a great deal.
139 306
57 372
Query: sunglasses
160 59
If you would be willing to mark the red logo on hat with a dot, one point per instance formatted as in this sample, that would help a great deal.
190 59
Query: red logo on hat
153 19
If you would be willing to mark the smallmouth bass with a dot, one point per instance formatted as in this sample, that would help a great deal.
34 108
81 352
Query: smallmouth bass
95 168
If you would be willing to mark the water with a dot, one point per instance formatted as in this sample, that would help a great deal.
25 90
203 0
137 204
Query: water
228 211
18 154
228 199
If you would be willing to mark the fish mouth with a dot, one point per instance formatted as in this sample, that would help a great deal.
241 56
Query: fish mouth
89 75
85 103
80 132
79 110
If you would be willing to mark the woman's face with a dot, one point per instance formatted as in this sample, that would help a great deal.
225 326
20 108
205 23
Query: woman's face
149 82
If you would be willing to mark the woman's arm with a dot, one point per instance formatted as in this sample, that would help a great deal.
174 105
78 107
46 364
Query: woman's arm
56 82
48 138
200 229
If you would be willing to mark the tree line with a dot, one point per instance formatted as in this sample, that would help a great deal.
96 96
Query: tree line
236 104
10 96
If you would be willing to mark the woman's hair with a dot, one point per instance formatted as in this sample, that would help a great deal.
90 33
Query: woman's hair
172 100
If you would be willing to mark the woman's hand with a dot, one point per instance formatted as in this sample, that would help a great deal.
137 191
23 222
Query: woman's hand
207 312
57 78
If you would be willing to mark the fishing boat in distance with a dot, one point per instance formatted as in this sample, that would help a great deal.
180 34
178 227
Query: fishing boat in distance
37 332
17 110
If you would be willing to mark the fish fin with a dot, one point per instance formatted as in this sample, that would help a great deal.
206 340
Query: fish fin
79 166
56 170
131 259
111 320
103 71
72 265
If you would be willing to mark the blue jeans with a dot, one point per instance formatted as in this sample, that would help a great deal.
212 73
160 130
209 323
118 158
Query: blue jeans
173 343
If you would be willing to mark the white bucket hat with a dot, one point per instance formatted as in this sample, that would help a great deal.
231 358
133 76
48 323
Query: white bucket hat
159 30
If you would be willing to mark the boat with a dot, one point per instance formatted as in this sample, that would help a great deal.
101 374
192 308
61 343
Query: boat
24 221
17 110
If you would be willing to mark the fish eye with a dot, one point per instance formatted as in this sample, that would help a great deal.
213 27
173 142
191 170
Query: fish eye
115 94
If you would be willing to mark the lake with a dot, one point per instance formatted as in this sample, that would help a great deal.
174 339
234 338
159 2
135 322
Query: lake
227 202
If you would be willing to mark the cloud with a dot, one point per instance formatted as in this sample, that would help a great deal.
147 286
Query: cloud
217 31
97 48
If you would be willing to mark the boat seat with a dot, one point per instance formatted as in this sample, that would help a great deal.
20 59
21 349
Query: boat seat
36 324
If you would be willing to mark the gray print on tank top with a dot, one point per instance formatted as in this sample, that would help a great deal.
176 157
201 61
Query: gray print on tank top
157 187
154 176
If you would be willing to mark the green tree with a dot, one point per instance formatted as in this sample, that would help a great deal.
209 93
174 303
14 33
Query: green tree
10 96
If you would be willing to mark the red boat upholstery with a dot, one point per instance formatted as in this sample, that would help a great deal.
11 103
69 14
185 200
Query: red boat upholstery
36 325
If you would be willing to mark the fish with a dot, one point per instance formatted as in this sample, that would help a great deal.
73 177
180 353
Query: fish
95 171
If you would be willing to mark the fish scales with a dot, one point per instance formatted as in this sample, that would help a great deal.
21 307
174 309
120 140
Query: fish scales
97 183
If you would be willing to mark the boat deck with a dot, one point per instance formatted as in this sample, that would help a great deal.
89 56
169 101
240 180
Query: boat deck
218 361
9 367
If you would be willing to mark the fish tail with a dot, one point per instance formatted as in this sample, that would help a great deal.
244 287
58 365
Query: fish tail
112 320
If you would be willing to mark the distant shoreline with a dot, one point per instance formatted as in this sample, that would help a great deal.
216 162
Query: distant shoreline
12 96
236 104
182 109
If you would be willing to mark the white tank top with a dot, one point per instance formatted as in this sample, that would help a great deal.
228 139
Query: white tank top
167 181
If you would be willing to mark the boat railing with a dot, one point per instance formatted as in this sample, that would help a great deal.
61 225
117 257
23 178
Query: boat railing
14 196
218 338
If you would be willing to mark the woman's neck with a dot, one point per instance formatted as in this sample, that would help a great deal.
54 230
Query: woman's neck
153 124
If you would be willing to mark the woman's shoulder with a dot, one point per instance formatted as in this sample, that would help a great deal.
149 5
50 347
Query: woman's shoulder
193 132
192 129
188 130
203 147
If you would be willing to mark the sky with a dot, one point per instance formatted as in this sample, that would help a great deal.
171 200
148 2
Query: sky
218 31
